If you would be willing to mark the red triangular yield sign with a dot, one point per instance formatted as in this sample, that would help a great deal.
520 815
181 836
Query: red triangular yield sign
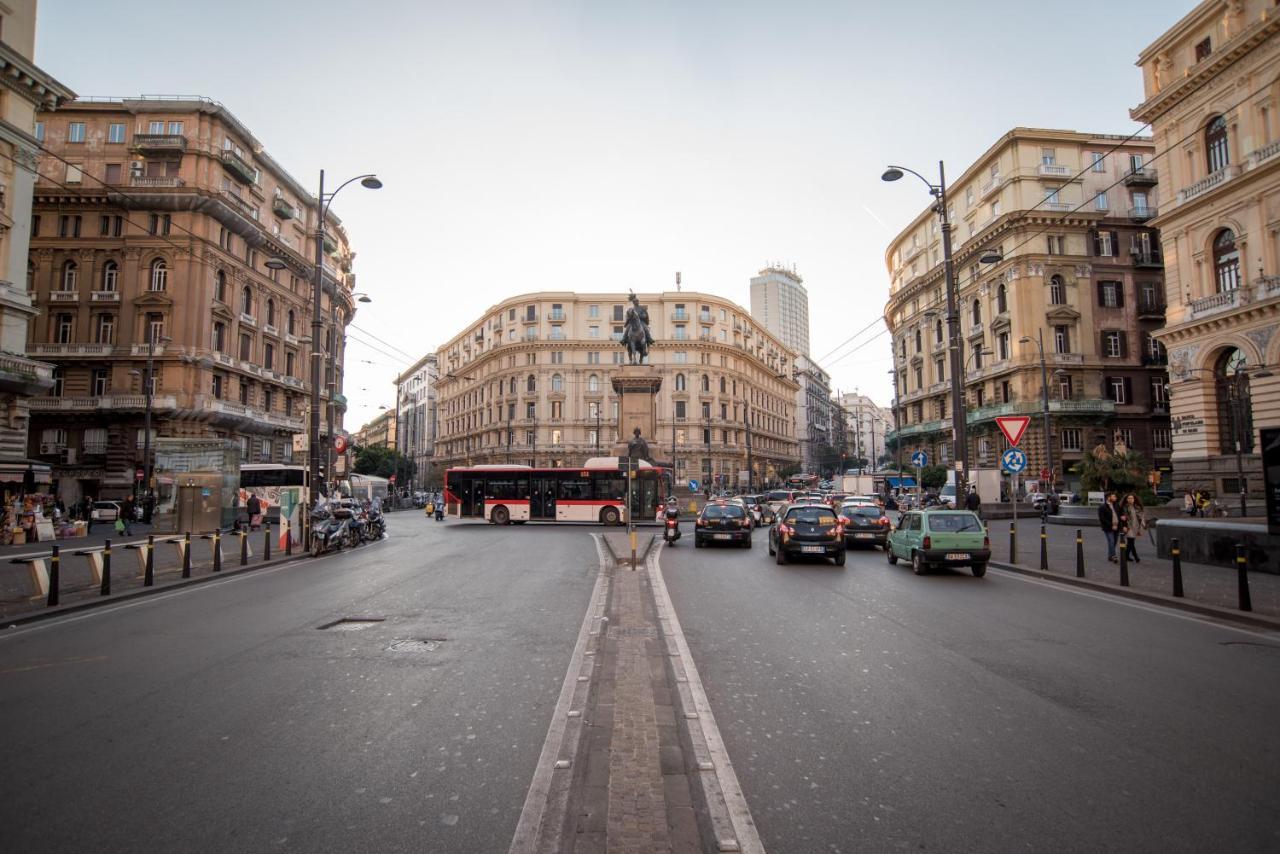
1013 426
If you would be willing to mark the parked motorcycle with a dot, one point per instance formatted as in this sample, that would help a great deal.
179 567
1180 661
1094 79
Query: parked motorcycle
328 534
377 525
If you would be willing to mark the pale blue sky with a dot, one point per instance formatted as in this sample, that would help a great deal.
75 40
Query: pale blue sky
606 145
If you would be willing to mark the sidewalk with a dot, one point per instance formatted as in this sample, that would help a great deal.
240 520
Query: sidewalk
1212 585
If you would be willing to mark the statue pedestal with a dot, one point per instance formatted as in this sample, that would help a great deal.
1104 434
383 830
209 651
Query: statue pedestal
637 389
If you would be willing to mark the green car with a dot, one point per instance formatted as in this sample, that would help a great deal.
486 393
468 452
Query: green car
930 538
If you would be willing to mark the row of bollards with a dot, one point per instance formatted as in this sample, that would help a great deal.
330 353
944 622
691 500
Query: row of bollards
103 557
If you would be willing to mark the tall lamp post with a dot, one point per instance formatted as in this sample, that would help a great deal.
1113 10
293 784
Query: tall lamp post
323 201
1044 388
1235 378
148 389
958 426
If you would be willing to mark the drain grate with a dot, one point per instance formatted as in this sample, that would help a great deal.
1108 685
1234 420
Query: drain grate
416 645
352 624
632 632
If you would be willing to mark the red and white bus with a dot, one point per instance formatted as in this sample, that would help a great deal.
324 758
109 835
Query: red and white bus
596 492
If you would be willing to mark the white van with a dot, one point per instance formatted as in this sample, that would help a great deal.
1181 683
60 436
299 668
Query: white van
947 496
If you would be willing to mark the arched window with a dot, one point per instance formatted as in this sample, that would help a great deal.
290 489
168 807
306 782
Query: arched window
722 385
680 382
531 384
1235 405
110 276
706 383
70 274
919 341
1002 299
289 324
159 275
1226 261
593 383
271 312
220 286
977 312
1057 291
1215 144
512 389
246 301
937 331
557 382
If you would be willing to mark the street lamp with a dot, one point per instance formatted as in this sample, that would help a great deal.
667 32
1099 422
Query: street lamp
148 384
1044 387
1234 382
323 201
958 426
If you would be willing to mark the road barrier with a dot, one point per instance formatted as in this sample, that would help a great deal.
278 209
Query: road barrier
266 541
1079 554
1175 552
54 564
1044 549
216 547
1124 560
1242 578
1013 542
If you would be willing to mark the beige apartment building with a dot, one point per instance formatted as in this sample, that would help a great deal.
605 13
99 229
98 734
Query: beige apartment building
152 222
1211 85
1069 214
529 382
26 89
378 433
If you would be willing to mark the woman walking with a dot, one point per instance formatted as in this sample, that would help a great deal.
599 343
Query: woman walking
1135 524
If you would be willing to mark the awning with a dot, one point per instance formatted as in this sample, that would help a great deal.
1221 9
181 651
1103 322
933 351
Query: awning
25 471
900 482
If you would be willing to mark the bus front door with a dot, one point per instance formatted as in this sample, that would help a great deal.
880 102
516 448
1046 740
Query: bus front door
542 498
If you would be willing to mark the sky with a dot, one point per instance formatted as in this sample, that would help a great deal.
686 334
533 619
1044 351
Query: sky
605 145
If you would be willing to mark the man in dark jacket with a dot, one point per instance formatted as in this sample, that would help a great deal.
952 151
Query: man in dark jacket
1109 522
972 501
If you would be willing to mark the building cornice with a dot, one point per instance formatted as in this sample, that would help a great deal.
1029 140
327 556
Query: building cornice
24 77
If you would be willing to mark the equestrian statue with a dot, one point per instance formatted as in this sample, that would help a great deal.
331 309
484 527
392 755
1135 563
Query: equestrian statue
635 332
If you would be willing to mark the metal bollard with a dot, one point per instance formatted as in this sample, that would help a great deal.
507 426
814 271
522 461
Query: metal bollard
1013 543
1079 554
1176 553
1044 550
266 541
1124 560
217 551
288 538
186 555
149 572
106 568
54 562
244 548
1242 577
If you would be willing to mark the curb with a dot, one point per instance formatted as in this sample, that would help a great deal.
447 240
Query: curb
1231 615
642 550
60 610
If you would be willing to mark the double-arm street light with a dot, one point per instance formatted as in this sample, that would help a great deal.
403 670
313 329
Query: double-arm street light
958 427
323 201
148 388
1044 388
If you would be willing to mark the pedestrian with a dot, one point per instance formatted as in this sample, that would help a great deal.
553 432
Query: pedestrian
972 501
127 509
1135 523
254 508
1109 520
1189 504
1202 503
86 507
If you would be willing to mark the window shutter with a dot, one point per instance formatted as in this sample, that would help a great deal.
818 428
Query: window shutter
1119 292
1097 244
1102 289
1124 345
1128 390
1115 243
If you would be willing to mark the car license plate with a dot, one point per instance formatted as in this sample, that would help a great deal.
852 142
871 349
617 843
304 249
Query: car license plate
957 555
864 536
722 536
811 549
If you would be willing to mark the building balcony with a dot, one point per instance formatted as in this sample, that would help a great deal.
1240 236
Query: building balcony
1151 310
234 164
69 349
224 360
282 208
239 205
1067 358
104 296
19 375
64 296
920 429
989 187
270 330
555 314
248 319
1054 170
1265 153
1094 406
529 318
1206 184
680 316
159 143
1214 304
141 350
1146 260
126 402
1142 177
151 181
1143 214
1064 207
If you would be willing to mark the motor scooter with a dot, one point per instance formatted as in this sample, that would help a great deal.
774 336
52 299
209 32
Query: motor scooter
377 525
328 533
671 529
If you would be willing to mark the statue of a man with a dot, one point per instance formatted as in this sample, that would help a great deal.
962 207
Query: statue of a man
636 336
638 448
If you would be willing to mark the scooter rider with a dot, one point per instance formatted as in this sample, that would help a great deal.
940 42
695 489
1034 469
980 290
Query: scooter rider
671 518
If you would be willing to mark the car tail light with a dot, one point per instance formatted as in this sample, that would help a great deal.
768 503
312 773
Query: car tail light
986 542
785 530
927 544
702 523
838 532
883 520
844 520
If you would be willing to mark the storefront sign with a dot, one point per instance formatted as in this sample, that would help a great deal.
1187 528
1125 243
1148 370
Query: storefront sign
1185 425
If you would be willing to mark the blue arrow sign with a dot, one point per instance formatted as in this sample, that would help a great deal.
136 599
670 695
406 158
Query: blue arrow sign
693 484
1013 461
920 459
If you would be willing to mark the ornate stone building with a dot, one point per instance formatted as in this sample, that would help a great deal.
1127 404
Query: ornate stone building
153 219
1068 214
528 382
1211 86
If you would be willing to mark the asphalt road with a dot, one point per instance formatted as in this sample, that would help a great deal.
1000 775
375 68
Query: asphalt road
221 718
867 709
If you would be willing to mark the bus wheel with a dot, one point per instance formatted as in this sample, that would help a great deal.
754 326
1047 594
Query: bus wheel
610 516
500 515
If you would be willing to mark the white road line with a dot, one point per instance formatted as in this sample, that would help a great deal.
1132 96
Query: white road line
549 790
744 828
1117 599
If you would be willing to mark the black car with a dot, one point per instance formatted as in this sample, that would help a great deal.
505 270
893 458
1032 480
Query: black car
864 525
807 529
723 522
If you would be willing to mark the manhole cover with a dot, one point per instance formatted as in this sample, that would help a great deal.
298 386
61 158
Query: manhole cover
416 645
352 624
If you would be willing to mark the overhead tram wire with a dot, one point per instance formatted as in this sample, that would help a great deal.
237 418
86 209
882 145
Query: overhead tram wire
383 341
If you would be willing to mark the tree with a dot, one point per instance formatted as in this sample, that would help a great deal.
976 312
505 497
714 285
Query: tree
384 462
933 477
1103 470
